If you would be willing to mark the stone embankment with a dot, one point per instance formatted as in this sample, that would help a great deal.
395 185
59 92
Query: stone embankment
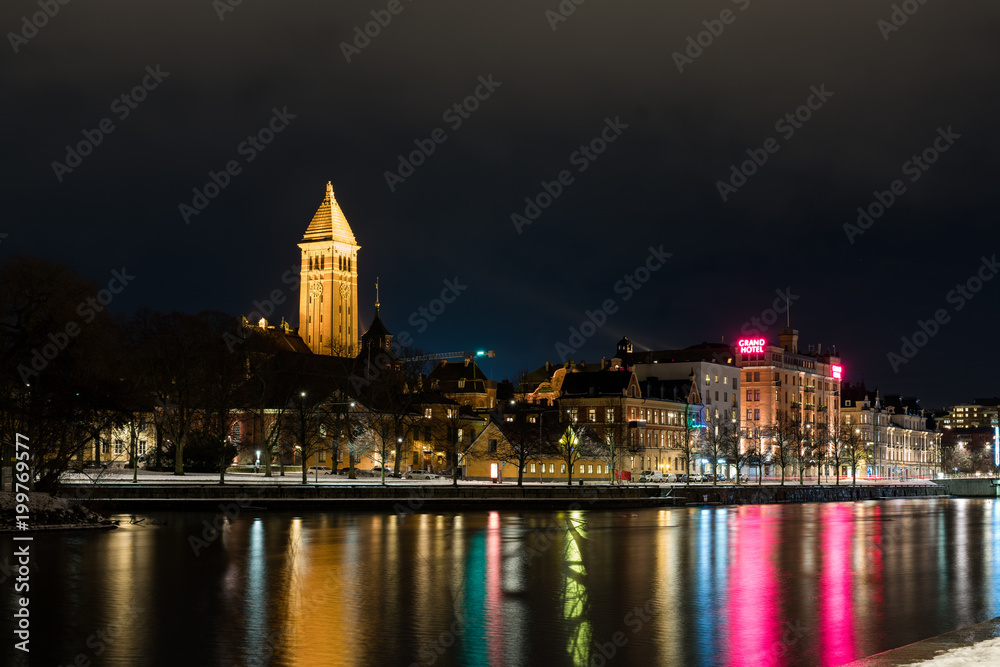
114 497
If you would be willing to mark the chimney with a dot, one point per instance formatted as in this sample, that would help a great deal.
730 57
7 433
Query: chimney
789 339
604 363
548 366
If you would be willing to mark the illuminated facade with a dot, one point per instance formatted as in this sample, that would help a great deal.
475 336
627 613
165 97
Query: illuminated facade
903 439
328 298
982 412
781 381
647 419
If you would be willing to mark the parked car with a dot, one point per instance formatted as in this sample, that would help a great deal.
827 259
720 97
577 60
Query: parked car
323 469
650 476
682 478
422 474
344 471
671 478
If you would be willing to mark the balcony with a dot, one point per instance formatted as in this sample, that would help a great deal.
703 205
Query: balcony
796 404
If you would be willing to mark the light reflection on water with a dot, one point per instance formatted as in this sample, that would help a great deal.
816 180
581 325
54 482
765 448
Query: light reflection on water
778 585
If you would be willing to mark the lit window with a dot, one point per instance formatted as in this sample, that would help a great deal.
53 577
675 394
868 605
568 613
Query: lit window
590 468
119 447
581 468
598 470
552 467
427 413
592 415
562 468
532 467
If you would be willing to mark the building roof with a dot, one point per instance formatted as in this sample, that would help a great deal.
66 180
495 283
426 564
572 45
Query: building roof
596 383
329 223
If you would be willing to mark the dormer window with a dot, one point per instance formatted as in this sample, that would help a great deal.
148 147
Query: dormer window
461 383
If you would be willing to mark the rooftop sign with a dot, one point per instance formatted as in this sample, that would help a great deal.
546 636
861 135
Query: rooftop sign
751 345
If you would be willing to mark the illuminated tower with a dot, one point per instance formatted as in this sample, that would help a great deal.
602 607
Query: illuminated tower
328 300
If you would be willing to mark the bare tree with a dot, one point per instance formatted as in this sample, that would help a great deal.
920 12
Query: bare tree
737 449
715 443
855 449
836 452
803 450
612 434
783 441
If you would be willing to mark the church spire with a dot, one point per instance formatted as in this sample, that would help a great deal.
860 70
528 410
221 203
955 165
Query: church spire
376 293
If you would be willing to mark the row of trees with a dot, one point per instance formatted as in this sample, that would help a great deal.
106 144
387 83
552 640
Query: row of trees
786 445
73 372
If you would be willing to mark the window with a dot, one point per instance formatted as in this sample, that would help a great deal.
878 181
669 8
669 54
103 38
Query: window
552 467
756 414
461 383
450 413
716 395
236 433
322 456
562 468
756 394
581 468
756 376
725 396
592 415
749 414
460 435
142 448
708 379
105 447
599 470
427 413
119 447
749 395
532 467
590 468
491 446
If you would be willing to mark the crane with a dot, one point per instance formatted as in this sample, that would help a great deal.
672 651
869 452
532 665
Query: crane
465 354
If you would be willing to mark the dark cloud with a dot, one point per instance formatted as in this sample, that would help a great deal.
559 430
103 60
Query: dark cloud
656 184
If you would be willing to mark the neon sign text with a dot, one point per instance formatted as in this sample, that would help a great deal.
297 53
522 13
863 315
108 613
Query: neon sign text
838 372
751 345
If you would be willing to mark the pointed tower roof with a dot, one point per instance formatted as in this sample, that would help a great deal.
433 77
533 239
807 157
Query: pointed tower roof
329 222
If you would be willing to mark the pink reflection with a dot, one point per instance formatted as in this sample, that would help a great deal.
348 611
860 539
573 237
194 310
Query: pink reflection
754 630
494 595
836 623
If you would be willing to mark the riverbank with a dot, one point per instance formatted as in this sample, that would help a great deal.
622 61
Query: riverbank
471 496
48 513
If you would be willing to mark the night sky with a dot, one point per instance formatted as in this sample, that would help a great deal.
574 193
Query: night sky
887 93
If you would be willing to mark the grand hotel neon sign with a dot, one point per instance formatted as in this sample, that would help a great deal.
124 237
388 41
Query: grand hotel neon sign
751 345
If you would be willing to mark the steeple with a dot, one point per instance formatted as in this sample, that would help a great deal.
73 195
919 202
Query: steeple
328 298
377 338
329 222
